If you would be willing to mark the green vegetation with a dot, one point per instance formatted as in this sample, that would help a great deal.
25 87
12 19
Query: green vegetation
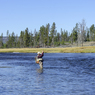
49 37
88 49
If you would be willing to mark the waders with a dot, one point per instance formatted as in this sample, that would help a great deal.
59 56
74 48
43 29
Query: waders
39 61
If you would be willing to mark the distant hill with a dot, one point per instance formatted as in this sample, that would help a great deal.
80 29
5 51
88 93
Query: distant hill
5 39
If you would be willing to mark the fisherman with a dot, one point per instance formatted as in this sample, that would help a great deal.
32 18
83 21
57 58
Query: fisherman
39 59
40 55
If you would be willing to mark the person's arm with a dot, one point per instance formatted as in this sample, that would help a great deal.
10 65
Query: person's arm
40 56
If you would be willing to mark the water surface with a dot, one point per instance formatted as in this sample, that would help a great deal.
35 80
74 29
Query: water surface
62 74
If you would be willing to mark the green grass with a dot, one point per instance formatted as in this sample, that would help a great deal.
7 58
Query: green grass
88 49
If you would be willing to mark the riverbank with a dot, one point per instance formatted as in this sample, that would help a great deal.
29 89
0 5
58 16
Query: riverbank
85 49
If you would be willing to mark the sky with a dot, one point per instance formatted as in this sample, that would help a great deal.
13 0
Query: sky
17 15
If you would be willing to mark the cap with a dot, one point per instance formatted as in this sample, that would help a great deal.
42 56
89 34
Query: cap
38 53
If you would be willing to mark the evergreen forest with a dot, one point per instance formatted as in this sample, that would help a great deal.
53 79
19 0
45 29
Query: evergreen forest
48 36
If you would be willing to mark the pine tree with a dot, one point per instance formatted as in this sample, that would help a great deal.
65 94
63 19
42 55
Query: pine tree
9 42
7 38
57 39
92 33
35 38
42 36
1 41
21 39
88 35
82 29
53 33
62 37
13 40
26 38
65 33
31 39
47 34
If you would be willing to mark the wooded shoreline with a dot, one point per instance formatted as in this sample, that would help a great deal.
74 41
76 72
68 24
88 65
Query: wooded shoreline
84 49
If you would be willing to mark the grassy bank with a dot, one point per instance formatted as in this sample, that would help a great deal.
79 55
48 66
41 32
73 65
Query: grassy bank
87 49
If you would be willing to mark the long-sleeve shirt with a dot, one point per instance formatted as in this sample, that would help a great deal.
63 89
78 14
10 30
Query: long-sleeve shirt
41 55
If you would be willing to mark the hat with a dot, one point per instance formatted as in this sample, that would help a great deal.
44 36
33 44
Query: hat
38 53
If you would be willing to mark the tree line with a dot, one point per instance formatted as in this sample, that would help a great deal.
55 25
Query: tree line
49 37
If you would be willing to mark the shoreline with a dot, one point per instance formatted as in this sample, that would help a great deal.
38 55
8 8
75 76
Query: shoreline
84 49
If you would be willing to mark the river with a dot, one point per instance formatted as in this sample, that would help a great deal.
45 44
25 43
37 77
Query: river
62 74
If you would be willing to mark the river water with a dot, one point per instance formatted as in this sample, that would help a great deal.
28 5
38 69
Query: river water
62 74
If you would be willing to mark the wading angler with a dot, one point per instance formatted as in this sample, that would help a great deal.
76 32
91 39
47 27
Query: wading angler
39 59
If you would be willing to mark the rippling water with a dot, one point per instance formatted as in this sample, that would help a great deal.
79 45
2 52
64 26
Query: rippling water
62 74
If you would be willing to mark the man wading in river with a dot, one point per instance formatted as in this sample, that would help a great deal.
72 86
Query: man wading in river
39 59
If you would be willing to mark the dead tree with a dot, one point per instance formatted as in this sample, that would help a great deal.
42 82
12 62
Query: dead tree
82 31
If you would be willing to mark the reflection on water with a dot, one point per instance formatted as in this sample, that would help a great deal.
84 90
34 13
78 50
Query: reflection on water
5 67
40 70
62 74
